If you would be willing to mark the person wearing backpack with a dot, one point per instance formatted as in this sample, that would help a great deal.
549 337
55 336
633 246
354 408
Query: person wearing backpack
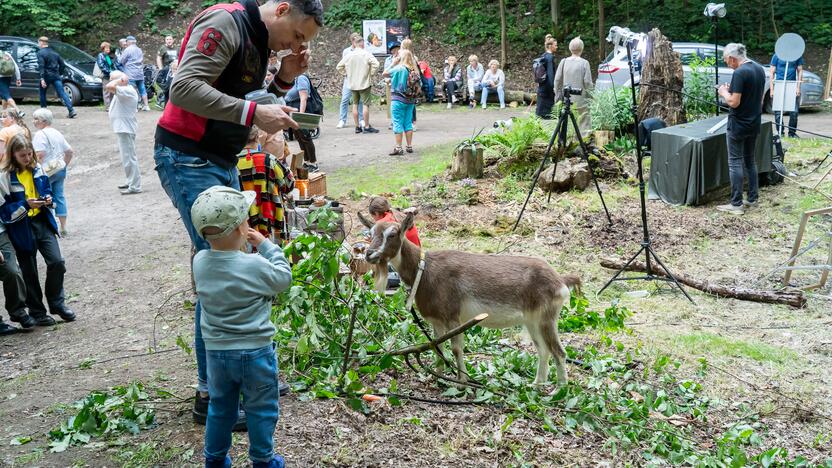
406 86
543 69
305 98
8 69
52 67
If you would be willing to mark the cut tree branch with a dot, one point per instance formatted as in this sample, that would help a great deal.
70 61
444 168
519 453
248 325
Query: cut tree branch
790 298
433 343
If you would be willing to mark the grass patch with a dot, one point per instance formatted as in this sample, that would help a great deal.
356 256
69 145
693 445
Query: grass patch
391 177
698 342
151 454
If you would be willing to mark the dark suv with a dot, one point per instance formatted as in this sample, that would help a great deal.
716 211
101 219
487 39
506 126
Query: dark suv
79 83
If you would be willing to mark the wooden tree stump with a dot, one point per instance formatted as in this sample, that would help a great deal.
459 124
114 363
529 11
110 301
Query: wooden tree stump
468 162
663 67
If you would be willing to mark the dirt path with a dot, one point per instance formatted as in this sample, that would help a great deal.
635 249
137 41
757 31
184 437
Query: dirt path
125 256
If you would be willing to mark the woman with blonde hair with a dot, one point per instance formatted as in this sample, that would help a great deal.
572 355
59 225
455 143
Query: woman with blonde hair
32 228
575 72
405 86
12 123
546 89
407 44
494 80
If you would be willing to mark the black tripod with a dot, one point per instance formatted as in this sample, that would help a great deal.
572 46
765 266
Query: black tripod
646 247
560 134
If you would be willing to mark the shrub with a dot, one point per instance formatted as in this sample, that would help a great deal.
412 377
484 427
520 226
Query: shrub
611 109
699 89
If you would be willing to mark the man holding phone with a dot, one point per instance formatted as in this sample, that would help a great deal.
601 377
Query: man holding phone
744 96
224 56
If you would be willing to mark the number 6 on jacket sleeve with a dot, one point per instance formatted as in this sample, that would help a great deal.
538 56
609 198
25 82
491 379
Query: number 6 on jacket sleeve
209 41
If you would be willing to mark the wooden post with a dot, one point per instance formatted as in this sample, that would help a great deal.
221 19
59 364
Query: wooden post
401 8
602 35
503 39
828 87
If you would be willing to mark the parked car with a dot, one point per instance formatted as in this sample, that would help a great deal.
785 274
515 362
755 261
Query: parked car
615 70
79 83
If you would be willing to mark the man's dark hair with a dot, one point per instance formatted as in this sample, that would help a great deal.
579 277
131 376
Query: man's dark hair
312 8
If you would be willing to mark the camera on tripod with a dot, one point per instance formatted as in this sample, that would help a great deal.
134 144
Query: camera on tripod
570 91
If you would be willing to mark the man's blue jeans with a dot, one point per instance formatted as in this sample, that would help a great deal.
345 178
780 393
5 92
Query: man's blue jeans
184 177
346 95
59 90
742 163
252 372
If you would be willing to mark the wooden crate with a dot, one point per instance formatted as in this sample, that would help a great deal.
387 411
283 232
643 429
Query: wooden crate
317 184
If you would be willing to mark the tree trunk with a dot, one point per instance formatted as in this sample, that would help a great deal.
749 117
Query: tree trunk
503 39
602 34
467 163
401 8
662 67
791 298
555 6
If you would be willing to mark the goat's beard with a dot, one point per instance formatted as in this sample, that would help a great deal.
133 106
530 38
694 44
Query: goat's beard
380 276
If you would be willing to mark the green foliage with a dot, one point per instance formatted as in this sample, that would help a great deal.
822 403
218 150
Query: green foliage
700 96
611 109
624 144
513 142
104 413
157 8
74 21
350 13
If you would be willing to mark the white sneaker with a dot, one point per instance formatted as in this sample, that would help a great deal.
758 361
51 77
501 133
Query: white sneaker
731 209
747 204
145 108
484 106
341 124
449 105
361 123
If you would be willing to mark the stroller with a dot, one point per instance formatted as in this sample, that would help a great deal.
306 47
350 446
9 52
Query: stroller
163 80
150 72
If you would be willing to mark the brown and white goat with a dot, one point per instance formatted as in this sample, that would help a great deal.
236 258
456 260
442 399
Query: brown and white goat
456 286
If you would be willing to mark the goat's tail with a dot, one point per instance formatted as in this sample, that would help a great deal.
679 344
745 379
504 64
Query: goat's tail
573 282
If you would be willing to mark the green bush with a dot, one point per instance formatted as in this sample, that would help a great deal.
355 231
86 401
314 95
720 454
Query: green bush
699 89
611 109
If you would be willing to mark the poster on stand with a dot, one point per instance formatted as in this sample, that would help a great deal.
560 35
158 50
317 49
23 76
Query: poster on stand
375 36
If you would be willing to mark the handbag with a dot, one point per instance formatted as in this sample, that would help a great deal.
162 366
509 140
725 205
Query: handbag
55 165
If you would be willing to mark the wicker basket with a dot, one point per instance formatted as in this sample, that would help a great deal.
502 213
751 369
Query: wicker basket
317 185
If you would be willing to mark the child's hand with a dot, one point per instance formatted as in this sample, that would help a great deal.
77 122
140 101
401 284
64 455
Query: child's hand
254 237
35 203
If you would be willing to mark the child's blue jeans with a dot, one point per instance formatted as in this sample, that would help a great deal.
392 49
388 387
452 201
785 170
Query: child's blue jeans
252 372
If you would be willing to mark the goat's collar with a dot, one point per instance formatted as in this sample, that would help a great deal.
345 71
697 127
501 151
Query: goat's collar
416 282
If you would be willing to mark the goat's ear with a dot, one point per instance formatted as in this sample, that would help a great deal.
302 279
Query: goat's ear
407 223
366 222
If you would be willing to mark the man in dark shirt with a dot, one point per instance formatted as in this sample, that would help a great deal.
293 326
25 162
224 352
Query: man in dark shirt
745 98
51 67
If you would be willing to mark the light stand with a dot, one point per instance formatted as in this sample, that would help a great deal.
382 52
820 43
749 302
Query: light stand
646 245
715 11
560 134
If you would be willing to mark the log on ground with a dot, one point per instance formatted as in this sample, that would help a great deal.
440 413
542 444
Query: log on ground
791 298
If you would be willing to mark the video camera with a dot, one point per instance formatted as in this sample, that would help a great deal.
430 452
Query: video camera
570 91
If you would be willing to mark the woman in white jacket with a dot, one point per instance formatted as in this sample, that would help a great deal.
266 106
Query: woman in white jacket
494 80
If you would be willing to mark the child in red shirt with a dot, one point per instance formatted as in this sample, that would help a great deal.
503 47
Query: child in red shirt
380 211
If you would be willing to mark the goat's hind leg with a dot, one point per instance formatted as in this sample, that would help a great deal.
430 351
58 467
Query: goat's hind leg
536 334
549 332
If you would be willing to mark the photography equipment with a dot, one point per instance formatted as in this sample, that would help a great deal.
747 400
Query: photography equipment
791 46
715 11
560 133
646 246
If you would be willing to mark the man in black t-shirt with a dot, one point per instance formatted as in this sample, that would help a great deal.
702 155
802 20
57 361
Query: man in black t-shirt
745 98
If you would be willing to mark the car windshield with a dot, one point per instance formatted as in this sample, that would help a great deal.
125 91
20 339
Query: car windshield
71 54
